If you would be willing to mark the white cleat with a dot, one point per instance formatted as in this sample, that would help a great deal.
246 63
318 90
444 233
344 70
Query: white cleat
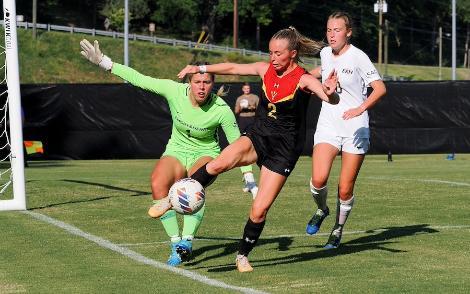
254 192
159 208
252 188
243 265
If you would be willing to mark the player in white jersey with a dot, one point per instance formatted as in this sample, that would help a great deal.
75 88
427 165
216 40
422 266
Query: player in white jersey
343 127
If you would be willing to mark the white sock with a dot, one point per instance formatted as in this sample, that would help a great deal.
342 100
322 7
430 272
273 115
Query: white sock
175 239
249 177
344 210
319 195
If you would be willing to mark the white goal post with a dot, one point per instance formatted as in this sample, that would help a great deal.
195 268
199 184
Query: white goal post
14 110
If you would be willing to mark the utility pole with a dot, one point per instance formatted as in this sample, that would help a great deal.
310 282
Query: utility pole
126 32
386 47
440 53
235 24
454 41
35 13
380 7
379 59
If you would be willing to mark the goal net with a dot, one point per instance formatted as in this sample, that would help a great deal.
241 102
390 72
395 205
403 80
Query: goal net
12 183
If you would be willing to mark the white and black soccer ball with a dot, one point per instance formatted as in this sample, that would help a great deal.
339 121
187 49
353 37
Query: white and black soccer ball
187 196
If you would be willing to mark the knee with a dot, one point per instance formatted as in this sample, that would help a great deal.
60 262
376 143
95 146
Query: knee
158 190
319 182
217 166
258 213
345 192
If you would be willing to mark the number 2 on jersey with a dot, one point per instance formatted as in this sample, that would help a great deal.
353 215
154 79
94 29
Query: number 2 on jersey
272 113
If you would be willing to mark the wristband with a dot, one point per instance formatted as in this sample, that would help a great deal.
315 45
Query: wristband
106 63
202 69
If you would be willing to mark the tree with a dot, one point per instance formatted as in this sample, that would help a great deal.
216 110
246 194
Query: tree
463 10
254 14
114 11
177 16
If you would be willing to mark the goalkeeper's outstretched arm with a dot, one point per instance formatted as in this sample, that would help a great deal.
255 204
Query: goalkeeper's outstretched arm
92 53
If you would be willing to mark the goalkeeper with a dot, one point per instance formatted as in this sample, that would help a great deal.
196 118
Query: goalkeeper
196 115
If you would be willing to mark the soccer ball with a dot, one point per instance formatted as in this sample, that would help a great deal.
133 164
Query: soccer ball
187 196
244 104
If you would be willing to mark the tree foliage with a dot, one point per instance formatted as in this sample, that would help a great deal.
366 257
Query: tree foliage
176 15
114 11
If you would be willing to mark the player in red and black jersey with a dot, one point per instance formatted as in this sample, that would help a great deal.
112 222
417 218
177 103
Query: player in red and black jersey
276 139
279 131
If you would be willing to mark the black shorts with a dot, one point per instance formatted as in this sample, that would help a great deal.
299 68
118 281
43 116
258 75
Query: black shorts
245 123
277 152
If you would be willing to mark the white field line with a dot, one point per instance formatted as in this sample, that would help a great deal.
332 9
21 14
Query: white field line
419 180
221 239
136 256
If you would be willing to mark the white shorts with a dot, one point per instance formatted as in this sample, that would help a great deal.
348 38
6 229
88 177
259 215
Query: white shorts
347 144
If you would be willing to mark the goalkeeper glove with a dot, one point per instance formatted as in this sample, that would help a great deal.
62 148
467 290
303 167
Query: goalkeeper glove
94 54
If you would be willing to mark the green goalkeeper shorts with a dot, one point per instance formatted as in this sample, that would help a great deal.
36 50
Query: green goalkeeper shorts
188 159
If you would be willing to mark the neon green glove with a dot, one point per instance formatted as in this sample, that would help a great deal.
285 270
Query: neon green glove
94 54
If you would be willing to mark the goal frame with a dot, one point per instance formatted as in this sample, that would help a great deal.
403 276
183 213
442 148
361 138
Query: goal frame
14 110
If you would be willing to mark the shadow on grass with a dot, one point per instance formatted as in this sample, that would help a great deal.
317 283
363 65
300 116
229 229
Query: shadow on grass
232 247
109 187
375 240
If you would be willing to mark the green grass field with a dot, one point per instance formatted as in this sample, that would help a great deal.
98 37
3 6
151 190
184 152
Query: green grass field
86 231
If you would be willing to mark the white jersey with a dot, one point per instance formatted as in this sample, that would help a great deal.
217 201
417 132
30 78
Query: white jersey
355 72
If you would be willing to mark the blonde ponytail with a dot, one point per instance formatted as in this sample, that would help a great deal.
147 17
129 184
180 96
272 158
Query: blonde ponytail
221 91
304 45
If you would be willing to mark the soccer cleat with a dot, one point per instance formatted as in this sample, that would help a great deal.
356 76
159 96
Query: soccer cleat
243 265
334 239
175 258
184 248
252 188
313 226
159 208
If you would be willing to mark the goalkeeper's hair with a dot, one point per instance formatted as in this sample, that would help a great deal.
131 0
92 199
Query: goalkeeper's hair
221 91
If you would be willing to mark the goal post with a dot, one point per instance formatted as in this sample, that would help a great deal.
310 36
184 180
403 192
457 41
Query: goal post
16 156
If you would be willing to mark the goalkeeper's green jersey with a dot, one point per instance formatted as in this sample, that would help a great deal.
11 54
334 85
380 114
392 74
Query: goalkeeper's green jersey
194 128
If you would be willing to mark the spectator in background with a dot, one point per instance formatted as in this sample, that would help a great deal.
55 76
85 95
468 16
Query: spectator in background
245 108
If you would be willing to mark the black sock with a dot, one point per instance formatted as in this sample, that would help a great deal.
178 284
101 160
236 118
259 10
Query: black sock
203 177
250 236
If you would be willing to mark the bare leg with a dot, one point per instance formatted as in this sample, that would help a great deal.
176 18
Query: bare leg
239 153
167 170
270 185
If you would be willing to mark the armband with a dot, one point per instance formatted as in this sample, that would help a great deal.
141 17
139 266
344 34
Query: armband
202 69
